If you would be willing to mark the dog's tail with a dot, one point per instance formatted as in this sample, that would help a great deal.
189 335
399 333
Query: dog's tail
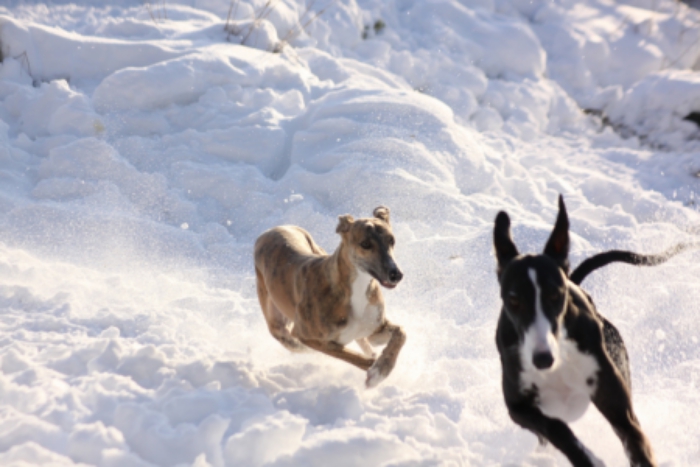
603 259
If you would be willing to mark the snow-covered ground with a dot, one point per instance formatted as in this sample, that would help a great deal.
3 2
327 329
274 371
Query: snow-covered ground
143 149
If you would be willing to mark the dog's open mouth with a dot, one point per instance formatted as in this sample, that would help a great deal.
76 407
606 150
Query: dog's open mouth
385 284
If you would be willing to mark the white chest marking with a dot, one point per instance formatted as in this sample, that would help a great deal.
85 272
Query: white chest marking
564 390
364 318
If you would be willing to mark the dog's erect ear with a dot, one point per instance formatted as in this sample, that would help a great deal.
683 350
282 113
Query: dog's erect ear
503 242
382 212
557 246
344 223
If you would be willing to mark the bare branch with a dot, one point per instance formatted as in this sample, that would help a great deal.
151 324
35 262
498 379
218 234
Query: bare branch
294 33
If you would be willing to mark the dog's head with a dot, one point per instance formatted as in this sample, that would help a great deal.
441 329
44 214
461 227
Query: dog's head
370 243
534 289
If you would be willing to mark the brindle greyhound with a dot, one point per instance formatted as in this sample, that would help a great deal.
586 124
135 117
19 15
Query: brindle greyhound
331 300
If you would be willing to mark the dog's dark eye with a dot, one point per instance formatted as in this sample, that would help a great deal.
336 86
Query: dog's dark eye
366 245
391 241
513 303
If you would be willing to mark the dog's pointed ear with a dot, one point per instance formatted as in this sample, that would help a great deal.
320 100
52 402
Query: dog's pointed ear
344 223
557 246
382 212
503 242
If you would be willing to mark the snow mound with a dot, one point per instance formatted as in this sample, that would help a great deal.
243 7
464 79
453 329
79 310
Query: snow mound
658 106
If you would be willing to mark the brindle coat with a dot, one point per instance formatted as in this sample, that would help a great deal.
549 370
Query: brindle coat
330 300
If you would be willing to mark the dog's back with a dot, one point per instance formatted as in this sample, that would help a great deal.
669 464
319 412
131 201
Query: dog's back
288 241
279 252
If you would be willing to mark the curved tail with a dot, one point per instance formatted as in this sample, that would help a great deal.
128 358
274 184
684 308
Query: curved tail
629 257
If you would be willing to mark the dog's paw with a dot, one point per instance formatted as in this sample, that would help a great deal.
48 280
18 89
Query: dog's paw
374 377
293 344
378 372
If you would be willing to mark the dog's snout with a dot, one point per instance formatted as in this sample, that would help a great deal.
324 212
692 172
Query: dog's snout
542 360
395 275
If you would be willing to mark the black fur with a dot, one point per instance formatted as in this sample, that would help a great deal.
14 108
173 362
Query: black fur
562 301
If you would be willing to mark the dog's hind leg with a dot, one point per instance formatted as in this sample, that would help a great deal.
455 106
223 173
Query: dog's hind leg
394 337
278 326
277 323
615 347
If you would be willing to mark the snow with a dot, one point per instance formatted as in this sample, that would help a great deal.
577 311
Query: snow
143 147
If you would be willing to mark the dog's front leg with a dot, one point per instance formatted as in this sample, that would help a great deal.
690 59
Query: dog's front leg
394 337
614 401
337 350
556 432
366 348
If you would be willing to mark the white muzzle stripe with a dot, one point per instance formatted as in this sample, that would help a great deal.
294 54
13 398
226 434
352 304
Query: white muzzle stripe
539 337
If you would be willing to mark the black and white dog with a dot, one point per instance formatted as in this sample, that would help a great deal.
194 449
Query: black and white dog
557 352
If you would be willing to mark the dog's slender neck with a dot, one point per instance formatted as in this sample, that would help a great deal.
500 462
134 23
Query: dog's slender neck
340 267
